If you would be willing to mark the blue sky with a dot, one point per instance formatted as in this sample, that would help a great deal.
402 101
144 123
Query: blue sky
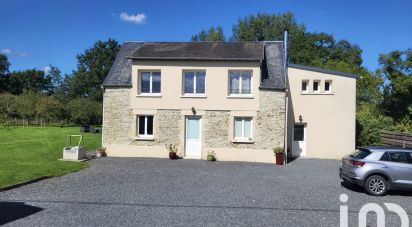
35 34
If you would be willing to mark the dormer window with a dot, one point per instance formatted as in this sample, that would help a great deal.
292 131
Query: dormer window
316 86
328 86
305 84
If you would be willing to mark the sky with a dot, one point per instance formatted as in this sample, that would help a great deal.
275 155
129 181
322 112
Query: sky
37 33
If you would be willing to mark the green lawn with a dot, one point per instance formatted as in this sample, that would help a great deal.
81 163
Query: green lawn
28 153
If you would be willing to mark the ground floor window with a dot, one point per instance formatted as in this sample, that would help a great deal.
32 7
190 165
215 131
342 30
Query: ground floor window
243 129
145 126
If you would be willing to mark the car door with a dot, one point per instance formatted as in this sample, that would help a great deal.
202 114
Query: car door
399 168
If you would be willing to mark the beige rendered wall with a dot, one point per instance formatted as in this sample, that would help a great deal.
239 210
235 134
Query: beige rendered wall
330 118
216 95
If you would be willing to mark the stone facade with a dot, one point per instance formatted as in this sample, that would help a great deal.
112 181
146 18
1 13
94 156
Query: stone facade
117 116
119 129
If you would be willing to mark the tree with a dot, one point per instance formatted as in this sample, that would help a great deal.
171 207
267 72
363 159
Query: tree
396 67
48 108
31 79
213 34
7 107
56 78
26 106
85 111
92 68
4 70
4 64
312 49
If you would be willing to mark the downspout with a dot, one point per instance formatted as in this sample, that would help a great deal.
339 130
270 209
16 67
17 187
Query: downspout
285 67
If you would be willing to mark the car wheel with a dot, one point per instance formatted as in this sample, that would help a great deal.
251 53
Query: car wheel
376 185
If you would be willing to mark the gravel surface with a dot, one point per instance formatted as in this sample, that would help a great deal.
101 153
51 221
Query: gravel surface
161 192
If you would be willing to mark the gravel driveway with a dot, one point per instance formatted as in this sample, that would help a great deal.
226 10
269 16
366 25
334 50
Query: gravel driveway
161 192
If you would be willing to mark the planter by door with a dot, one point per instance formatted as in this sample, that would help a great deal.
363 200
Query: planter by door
280 158
193 137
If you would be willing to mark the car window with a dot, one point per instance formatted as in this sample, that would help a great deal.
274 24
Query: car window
385 157
361 153
397 156
409 154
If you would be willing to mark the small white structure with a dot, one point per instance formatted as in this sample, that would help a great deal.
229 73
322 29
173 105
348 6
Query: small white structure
74 152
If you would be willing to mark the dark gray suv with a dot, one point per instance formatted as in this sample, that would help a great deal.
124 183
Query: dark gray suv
378 169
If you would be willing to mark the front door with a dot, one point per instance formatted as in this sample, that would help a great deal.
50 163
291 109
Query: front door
193 137
299 140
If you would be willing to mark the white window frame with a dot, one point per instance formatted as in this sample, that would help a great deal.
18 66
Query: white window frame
243 138
330 86
145 135
313 86
307 86
194 82
241 84
150 82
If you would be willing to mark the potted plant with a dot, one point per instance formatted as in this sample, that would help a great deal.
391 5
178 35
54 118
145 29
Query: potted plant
280 155
211 156
172 151
101 152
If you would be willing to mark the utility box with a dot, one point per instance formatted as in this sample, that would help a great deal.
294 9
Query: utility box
71 152
74 153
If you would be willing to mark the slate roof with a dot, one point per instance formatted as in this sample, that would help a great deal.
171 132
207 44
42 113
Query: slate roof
270 54
120 74
320 70
232 51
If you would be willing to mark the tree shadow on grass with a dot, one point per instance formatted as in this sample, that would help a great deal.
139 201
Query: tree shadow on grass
11 211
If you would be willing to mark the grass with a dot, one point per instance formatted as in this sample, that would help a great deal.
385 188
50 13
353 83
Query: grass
29 153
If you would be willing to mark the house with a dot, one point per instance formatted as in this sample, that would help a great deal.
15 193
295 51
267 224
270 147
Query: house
234 98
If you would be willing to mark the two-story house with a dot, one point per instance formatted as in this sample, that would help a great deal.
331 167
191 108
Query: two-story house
234 98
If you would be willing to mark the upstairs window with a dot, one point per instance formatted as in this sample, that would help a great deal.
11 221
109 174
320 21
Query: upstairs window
328 86
305 86
194 82
243 129
149 82
240 82
316 87
145 126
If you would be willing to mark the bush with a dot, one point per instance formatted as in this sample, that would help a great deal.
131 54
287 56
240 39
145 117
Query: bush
369 123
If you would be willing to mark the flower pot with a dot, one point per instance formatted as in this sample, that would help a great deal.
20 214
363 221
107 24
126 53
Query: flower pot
279 159
211 158
172 155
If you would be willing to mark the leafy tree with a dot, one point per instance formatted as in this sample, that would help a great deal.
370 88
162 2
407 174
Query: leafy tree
26 106
369 124
85 111
48 108
4 69
92 68
213 34
4 64
396 67
7 107
313 49
31 79
56 78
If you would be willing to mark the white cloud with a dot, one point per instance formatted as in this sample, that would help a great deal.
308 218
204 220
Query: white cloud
46 69
22 54
5 51
139 18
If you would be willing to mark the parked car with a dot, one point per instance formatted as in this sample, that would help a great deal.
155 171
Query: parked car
378 169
